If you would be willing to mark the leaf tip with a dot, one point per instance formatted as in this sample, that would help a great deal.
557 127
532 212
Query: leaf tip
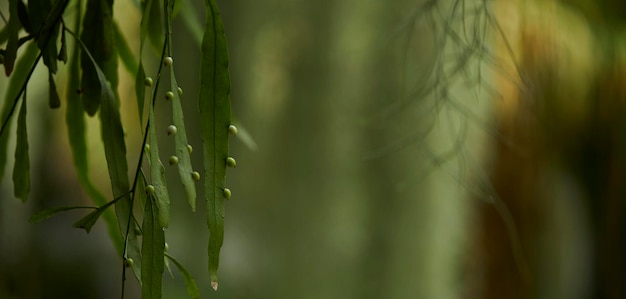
214 285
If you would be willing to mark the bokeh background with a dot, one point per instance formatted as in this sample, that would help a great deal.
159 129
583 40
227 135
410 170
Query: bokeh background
391 149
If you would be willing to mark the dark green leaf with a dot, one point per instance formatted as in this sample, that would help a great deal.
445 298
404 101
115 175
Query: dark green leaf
140 90
115 152
192 287
49 213
155 27
4 34
47 39
214 105
157 174
21 169
22 13
14 27
63 51
126 54
53 96
88 221
152 247
17 80
75 120
184 159
98 37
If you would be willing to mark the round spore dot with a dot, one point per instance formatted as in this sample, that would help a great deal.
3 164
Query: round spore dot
232 130
169 95
230 162
171 130
148 81
195 175
167 61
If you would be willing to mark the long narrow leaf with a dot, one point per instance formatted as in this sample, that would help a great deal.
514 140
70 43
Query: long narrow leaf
214 105
182 146
49 213
21 169
14 27
98 37
115 152
75 121
152 247
21 74
157 174
190 283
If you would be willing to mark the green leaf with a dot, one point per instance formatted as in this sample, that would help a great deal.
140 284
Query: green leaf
21 168
214 105
168 267
184 159
126 54
63 52
155 28
22 13
47 38
98 37
75 120
53 96
14 27
140 90
49 213
157 173
152 247
115 152
88 221
192 287
22 72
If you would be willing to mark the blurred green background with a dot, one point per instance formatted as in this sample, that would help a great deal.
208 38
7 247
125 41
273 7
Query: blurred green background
383 159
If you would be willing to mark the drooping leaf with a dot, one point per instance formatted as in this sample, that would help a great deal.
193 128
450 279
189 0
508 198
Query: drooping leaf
63 52
49 213
98 37
75 120
22 13
23 67
140 90
214 105
21 168
155 27
157 174
152 247
88 221
182 152
47 38
14 27
190 283
115 152
53 96
126 54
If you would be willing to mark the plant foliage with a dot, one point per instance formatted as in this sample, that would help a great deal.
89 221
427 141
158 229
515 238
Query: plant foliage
41 26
